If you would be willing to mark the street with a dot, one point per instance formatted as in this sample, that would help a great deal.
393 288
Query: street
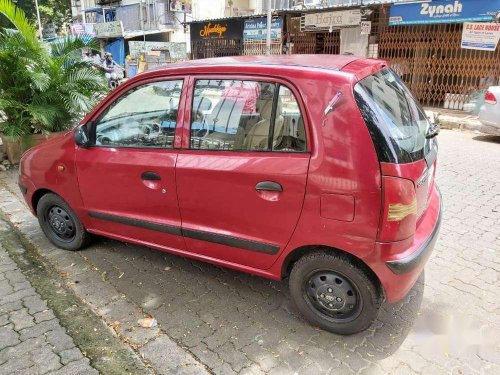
237 323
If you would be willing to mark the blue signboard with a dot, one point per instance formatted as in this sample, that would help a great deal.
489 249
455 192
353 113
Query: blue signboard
257 28
443 11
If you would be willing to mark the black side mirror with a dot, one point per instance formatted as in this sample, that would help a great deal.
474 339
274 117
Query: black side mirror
81 137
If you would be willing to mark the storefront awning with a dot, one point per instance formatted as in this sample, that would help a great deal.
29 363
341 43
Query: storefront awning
135 33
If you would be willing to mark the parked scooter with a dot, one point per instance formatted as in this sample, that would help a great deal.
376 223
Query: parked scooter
115 73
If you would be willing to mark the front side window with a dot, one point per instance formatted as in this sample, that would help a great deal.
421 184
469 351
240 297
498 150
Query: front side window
144 117
237 115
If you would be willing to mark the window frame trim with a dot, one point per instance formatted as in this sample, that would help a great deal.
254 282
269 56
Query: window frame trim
121 91
186 141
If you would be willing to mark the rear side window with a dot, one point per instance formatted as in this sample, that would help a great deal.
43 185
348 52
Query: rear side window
396 121
241 115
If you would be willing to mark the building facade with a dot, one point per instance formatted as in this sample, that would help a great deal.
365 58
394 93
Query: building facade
423 41
120 26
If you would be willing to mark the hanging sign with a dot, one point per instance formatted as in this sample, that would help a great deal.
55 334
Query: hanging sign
257 28
481 36
111 29
330 20
366 27
443 11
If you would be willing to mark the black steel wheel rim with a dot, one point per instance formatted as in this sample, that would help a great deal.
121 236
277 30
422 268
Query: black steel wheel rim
60 223
332 295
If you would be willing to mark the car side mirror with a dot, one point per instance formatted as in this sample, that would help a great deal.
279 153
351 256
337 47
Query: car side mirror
81 136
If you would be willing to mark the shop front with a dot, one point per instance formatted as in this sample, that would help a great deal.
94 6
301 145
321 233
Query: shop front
255 36
110 35
326 32
433 47
216 38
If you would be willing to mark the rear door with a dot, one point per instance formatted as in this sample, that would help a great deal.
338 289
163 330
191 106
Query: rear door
242 175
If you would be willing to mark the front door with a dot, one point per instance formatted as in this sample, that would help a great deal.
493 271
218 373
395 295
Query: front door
127 178
242 174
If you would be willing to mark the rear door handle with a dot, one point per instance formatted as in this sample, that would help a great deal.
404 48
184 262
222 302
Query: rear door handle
150 176
268 186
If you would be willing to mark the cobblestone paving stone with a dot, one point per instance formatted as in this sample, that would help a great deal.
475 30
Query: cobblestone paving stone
237 323
31 339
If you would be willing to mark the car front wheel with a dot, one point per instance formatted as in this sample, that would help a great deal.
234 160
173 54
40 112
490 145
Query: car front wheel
60 223
333 293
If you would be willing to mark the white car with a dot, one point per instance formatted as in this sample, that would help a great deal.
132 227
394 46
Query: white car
489 114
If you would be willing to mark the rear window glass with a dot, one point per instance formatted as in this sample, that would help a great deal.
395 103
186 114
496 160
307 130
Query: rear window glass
396 121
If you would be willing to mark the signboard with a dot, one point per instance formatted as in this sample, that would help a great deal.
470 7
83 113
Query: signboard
443 11
181 6
366 27
223 29
481 36
256 29
177 50
113 29
330 20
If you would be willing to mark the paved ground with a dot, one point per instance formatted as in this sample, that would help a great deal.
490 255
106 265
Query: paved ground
236 323
32 341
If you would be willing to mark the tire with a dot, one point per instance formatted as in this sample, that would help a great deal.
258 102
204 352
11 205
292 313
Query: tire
60 223
333 293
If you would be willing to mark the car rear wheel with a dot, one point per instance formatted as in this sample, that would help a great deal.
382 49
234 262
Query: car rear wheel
60 223
333 293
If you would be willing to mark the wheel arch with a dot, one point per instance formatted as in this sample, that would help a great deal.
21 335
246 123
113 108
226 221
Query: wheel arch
37 195
299 252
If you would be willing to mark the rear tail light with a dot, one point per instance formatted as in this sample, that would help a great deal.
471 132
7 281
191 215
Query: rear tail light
399 214
490 98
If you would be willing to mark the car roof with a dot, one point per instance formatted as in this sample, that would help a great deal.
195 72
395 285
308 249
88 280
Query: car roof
347 63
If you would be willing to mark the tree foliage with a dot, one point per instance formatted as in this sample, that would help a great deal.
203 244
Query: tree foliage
51 11
43 88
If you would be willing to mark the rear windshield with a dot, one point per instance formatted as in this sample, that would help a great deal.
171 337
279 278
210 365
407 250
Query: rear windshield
396 121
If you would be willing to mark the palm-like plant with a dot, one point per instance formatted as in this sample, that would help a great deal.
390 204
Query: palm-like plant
42 89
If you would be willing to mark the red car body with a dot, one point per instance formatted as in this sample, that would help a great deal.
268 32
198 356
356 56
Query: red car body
206 207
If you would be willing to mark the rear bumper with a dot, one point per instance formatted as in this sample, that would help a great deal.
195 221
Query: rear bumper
489 128
398 265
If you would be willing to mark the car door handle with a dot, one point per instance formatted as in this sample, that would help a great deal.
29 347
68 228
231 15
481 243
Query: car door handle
268 186
150 176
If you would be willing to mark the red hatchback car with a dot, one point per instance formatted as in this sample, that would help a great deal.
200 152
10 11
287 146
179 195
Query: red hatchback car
316 168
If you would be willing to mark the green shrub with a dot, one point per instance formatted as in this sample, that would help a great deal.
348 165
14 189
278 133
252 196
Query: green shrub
43 88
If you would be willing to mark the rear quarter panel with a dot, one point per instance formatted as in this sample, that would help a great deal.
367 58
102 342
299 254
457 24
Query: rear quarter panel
343 164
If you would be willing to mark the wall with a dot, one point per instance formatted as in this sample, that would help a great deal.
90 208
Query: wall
203 9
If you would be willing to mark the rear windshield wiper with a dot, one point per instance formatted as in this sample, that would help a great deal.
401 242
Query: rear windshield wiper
433 131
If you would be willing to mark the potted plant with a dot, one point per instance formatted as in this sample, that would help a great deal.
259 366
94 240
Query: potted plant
44 89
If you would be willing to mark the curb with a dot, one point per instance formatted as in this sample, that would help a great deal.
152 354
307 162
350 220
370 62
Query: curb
153 345
463 123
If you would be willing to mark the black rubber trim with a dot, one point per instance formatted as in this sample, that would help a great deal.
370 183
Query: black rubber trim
164 228
23 189
405 265
259 247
